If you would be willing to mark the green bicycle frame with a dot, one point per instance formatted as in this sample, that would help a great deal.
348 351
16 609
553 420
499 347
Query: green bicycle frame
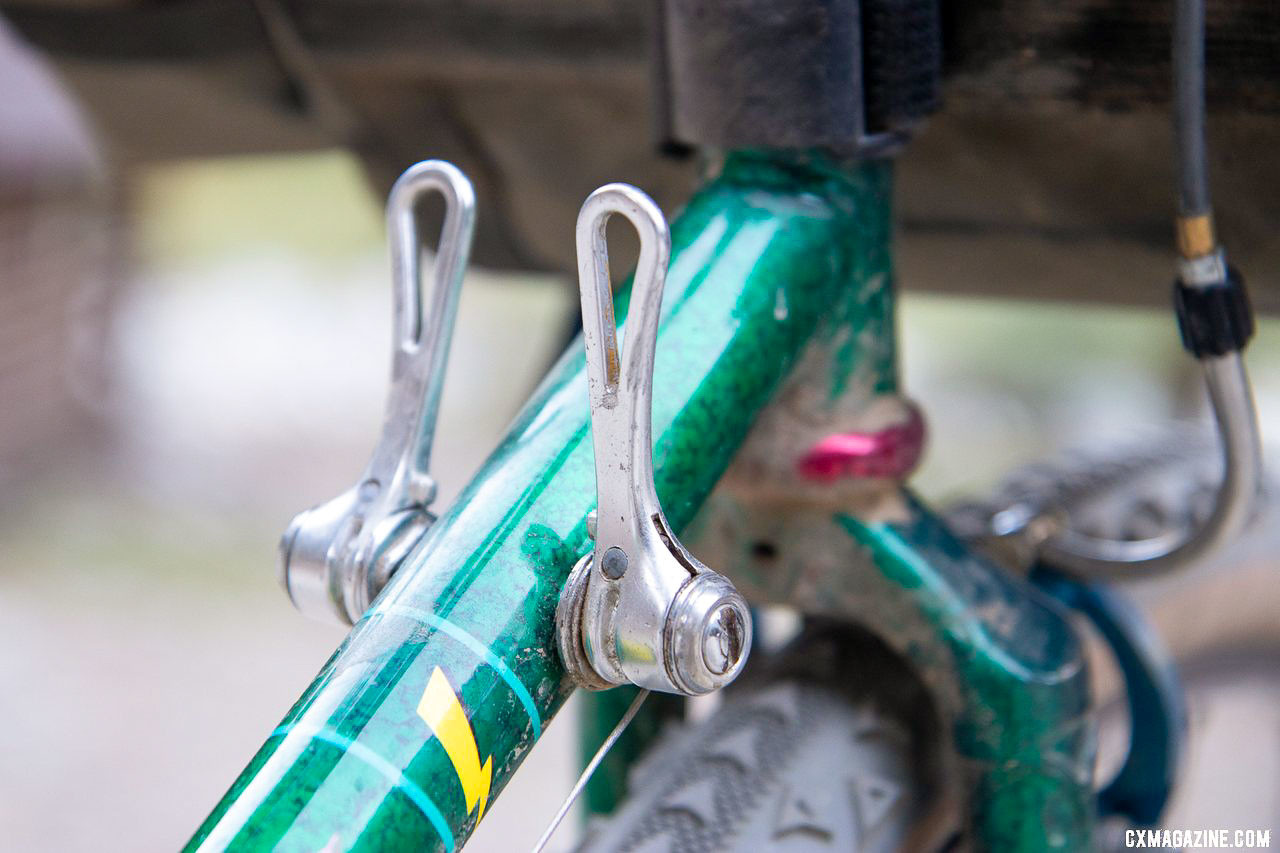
778 253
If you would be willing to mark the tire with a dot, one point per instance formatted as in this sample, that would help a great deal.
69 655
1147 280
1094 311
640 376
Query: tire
798 760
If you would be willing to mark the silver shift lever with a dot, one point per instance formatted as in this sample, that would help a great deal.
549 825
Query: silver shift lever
639 608
336 557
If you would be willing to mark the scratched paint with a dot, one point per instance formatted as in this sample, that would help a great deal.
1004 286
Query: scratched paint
354 765
1014 666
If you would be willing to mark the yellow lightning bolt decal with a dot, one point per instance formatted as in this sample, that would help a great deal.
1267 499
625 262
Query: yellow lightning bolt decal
443 714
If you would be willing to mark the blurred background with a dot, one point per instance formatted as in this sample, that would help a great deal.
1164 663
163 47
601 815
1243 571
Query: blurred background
194 340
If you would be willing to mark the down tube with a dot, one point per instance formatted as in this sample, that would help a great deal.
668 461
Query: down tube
420 718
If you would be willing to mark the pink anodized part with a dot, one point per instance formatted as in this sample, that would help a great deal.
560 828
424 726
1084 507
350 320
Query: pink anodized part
889 452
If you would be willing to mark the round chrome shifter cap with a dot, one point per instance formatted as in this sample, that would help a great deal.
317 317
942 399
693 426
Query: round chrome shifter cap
708 634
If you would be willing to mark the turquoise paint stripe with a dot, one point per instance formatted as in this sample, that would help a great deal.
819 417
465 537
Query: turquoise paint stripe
482 651
390 772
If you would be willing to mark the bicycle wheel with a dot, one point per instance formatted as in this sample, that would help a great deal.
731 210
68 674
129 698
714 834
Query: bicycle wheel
833 747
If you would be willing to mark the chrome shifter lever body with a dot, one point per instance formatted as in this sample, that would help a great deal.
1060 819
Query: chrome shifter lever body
639 609
336 557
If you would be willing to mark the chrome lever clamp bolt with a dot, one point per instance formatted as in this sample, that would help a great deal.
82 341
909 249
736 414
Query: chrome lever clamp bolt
336 557
639 608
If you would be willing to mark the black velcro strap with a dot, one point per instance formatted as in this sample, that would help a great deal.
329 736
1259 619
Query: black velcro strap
1214 319
901 62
